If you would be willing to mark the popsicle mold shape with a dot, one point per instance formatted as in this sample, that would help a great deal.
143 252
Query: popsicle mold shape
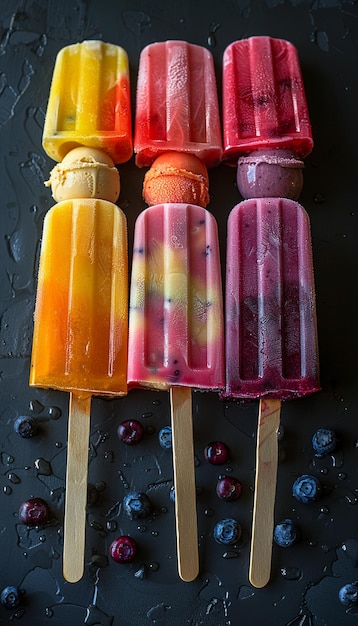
264 102
81 317
177 105
271 334
89 102
176 319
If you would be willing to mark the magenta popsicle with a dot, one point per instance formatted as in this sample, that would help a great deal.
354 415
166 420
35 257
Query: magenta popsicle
271 334
264 102
271 337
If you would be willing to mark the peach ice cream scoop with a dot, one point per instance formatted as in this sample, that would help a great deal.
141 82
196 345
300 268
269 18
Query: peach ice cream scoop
177 177
85 173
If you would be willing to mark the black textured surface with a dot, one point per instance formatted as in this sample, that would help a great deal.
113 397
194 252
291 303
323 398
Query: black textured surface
305 578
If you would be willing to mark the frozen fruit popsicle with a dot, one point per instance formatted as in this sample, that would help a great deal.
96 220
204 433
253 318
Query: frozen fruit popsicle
80 329
177 103
81 318
264 102
176 335
267 130
271 334
89 102
176 326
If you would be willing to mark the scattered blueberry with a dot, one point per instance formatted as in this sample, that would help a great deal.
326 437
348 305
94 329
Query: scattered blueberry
228 488
286 533
307 488
227 531
217 453
10 597
137 505
123 549
130 432
348 594
34 512
26 426
165 437
324 441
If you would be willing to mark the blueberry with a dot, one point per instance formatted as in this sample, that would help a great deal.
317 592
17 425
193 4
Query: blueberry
165 437
123 549
10 597
34 512
217 453
137 505
130 432
228 488
286 533
324 441
227 531
26 426
306 488
348 594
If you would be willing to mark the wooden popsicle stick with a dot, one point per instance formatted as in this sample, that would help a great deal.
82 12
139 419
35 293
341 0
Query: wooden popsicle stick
184 483
265 491
76 486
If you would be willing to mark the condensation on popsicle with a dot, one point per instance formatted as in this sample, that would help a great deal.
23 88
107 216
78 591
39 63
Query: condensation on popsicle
271 333
89 102
264 102
80 330
177 104
176 319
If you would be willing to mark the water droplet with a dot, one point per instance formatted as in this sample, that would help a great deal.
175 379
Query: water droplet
291 573
13 478
319 198
111 525
209 512
154 533
6 459
42 538
109 456
142 528
35 406
154 566
58 444
43 467
156 402
7 490
48 612
147 414
54 412
342 476
230 555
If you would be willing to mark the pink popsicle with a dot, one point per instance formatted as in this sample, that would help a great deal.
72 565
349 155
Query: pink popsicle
177 104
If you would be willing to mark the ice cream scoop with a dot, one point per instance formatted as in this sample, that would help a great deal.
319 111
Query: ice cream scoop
85 173
177 177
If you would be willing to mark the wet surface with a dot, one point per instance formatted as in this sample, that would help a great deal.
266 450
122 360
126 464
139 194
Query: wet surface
306 578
